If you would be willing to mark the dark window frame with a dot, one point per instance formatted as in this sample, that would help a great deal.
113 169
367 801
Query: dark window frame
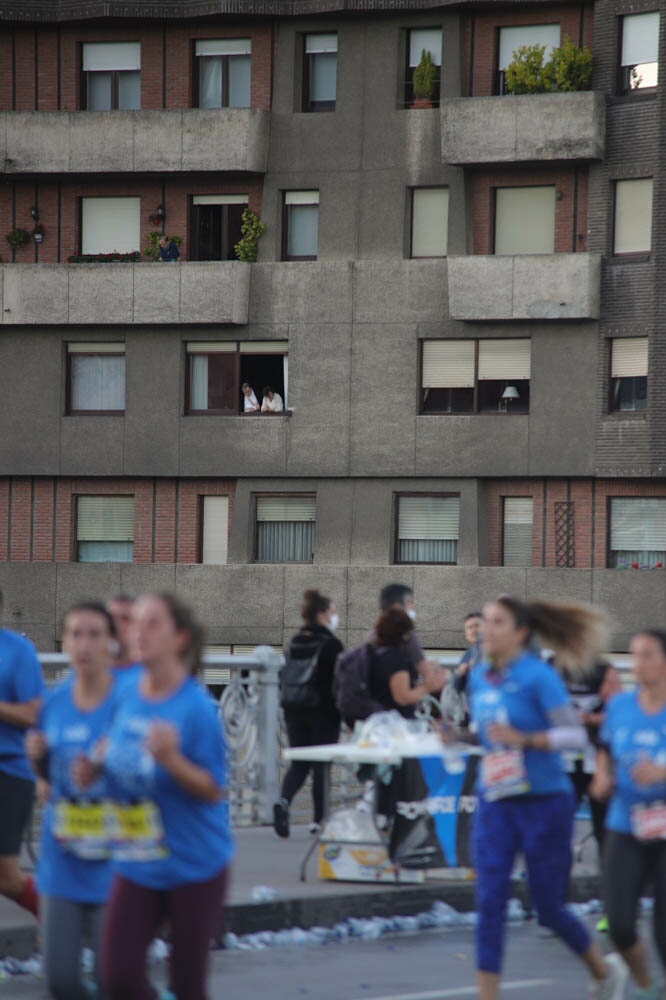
636 256
201 497
407 88
115 73
615 410
193 241
504 498
412 190
69 412
196 79
499 85
475 411
255 534
285 255
623 72
609 525
447 494
492 229
308 106
74 517
237 354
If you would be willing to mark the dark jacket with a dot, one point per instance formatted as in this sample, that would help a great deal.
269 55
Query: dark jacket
325 666
384 663
169 252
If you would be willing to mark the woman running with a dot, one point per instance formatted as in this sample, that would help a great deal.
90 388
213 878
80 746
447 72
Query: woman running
74 873
631 766
166 756
523 718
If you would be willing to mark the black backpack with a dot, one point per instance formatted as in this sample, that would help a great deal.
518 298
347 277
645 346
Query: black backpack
351 684
299 684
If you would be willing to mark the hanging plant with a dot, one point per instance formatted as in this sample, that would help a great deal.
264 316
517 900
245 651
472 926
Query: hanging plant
17 238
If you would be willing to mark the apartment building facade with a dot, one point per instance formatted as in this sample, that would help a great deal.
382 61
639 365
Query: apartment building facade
459 305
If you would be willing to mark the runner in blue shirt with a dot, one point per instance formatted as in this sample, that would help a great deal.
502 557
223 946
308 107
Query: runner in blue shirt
631 766
21 689
523 718
74 872
166 755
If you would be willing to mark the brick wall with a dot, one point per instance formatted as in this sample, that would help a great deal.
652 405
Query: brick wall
37 516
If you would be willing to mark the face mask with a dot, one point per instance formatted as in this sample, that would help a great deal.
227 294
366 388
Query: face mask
411 613
334 622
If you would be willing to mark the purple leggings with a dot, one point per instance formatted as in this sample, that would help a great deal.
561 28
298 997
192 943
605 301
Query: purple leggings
541 826
133 917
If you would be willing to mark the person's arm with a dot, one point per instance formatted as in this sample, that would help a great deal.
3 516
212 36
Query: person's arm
28 690
402 692
601 786
21 715
279 404
163 742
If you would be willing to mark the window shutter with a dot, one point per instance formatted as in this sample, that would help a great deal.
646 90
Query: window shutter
430 222
286 509
429 39
321 43
224 47
448 364
95 348
525 220
211 347
640 39
113 56
220 199
110 225
512 39
504 359
629 357
633 216
428 518
105 519
638 525
215 530
264 347
518 517
301 197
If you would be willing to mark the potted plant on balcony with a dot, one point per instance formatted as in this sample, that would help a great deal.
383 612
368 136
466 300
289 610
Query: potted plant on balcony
424 82
252 229
568 69
17 238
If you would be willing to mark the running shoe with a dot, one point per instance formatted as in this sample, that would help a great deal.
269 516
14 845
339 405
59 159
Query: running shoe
314 828
281 818
602 926
614 986
651 993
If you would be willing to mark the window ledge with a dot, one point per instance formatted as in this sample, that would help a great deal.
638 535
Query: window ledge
629 258
242 416
632 415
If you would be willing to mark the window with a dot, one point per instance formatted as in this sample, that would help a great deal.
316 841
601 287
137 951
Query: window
95 378
216 372
633 216
513 38
223 72
216 225
286 528
428 529
214 530
466 376
418 41
104 529
320 67
637 533
639 58
301 225
629 369
524 220
110 225
430 222
112 76
517 533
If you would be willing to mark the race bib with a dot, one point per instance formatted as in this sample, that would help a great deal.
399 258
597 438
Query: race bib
81 828
648 822
138 833
503 774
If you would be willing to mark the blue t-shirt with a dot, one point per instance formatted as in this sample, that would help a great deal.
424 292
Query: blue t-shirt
629 733
522 696
20 681
69 732
197 836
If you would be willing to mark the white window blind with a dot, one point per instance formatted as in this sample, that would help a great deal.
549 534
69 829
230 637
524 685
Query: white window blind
629 357
518 517
633 216
286 509
110 225
321 43
640 39
224 47
504 359
448 364
114 56
109 519
428 529
211 347
512 39
301 197
638 531
429 39
220 199
264 347
525 220
97 382
215 530
93 347
430 222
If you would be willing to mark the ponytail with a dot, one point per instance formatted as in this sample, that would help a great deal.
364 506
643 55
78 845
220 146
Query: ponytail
576 632
314 604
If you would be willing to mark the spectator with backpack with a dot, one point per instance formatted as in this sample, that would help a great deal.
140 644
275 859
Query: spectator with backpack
394 680
306 694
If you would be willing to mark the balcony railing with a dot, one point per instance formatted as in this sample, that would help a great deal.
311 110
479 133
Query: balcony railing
562 286
103 142
531 128
197 292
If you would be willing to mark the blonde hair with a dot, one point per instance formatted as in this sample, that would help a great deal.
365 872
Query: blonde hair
576 632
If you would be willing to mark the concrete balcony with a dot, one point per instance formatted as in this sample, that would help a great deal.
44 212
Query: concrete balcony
103 142
564 286
524 129
47 294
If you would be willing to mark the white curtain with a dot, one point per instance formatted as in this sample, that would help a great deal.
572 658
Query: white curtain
199 382
98 383
285 541
428 550
210 82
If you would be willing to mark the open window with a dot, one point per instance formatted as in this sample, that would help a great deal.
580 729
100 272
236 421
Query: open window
217 372
216 225
639 52
629 374
467 376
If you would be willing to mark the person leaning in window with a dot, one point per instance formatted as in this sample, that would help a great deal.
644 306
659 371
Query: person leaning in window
272 401
167 249
250 401
311 726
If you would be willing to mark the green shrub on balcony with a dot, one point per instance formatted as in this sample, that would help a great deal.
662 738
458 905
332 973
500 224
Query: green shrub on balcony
152 249
568 69
252 228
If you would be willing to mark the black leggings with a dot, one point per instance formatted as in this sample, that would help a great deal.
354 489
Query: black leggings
628 866
308 729
581 785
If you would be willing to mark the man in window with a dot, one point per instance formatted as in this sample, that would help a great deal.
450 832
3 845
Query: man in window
250 401
272 401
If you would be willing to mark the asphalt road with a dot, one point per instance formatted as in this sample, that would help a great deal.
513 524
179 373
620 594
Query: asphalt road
432 965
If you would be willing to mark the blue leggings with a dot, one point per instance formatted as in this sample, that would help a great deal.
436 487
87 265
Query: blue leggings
541 826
